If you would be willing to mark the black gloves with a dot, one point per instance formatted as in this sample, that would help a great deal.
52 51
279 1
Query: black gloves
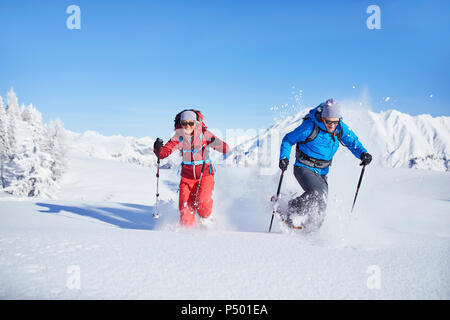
213 142
158 145
366 158
283 164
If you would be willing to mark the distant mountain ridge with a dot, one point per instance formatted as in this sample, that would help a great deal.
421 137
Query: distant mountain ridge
34 156
394 138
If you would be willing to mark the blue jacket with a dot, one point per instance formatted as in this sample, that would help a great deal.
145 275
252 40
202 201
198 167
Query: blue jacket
324 146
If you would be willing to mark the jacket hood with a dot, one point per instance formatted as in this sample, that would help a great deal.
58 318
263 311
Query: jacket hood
315 115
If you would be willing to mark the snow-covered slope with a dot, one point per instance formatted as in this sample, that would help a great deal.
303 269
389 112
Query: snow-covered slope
395 139
99 241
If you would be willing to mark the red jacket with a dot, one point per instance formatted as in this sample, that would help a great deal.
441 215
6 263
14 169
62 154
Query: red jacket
194 150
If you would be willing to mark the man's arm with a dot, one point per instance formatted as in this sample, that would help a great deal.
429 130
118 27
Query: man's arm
299 134
351 141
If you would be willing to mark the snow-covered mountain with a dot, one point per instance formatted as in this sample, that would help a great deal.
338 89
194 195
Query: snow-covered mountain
125 149
421 142
395 139
32 165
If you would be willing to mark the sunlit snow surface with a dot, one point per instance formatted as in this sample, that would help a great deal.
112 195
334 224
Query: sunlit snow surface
98 239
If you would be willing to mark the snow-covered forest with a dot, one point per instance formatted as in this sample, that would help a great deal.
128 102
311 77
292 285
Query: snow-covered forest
33 154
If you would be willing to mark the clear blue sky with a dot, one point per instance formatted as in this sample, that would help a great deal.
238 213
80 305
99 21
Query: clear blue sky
134 64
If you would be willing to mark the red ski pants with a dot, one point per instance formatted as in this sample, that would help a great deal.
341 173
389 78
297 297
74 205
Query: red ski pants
188 203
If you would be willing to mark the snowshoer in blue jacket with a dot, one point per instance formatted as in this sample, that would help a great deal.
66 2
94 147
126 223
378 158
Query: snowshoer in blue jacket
317 139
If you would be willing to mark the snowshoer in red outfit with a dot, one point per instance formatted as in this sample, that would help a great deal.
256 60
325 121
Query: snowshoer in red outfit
197 172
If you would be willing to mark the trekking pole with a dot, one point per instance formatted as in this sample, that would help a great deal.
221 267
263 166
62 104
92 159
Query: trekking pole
275 206
156 214
359 184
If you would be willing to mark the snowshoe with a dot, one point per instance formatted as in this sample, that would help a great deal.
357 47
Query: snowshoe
283 212
207 223
290 221
301 214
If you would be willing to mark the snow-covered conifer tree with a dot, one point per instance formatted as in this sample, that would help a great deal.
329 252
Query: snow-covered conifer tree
3 143
57 148
33 154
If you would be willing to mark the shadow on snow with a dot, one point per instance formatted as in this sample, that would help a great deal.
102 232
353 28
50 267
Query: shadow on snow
133 216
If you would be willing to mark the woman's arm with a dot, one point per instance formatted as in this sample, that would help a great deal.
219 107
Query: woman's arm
169 147
216 143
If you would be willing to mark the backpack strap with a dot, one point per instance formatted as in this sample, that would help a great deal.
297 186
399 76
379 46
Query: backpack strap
339 137
312 135
201 149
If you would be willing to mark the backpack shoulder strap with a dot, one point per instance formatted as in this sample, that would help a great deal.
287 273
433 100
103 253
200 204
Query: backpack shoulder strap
313 134
339 137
